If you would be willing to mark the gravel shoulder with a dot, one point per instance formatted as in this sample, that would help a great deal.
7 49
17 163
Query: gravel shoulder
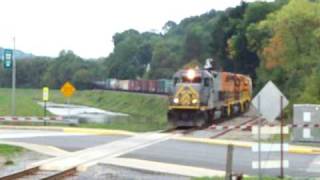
20 161
112 172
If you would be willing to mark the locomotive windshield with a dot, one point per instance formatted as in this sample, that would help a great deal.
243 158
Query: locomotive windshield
193 80
187 80
189 76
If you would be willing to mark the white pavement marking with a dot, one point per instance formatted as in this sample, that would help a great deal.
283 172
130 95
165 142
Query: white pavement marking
43 149
306 133
162 167
270 130
315 165
91 156
16 134
270 164
270 147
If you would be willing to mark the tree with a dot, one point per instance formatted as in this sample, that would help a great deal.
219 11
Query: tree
292 46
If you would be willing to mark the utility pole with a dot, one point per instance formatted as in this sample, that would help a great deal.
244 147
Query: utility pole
259 140
13 95
281 134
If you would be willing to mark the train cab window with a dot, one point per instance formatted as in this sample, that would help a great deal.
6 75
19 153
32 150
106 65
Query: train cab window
176 81
207 82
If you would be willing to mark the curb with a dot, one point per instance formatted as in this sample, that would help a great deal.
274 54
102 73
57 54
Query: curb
303 150
215 141
98 131
292 148
72 130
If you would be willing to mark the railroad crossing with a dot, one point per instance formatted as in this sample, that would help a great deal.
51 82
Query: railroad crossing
151 151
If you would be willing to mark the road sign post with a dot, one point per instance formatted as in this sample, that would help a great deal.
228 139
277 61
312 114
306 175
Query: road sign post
259 141
281 139
45 98
68 90
14 78
9 62
267 104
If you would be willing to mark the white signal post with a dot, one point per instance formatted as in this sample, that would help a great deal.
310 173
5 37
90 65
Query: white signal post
13 93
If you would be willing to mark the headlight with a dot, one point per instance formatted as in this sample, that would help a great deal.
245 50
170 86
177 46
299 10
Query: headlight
191 74
176 100
194 101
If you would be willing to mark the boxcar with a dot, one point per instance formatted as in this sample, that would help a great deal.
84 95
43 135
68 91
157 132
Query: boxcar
124 85
152 86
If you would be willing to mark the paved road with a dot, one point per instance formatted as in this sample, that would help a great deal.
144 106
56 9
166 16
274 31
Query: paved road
68 142
213 156
186 153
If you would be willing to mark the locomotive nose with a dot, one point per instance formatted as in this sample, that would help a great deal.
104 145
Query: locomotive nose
186 95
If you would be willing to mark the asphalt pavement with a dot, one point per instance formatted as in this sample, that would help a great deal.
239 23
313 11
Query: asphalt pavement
69 143
185 153
214 157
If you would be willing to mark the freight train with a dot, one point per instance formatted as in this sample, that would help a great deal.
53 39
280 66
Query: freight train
199 97
161 86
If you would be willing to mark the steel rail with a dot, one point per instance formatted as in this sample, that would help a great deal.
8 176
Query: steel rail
33 171
20 174
61 174
234 127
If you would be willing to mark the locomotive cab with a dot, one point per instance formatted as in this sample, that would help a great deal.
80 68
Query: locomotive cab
190 98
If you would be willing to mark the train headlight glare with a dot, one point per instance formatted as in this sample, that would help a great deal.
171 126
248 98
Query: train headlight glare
191 74
194 101
176 100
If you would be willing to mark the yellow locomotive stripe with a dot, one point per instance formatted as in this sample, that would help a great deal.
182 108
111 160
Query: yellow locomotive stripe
194 91
181 89
185 94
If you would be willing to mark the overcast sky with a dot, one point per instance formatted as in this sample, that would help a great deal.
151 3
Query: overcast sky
44 27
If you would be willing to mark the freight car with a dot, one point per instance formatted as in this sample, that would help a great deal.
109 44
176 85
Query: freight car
162 86
200 96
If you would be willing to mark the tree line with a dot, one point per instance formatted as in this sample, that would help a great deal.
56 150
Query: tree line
276 41
37 72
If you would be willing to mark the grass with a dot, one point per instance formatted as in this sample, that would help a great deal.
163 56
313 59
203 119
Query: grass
146 112
25 104
7 151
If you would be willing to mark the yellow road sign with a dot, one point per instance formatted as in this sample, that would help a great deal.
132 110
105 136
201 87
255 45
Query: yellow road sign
45 94
67 89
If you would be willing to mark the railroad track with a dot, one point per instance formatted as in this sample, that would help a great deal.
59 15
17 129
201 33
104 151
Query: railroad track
37 173
228 128
67 165
181 130
224 128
